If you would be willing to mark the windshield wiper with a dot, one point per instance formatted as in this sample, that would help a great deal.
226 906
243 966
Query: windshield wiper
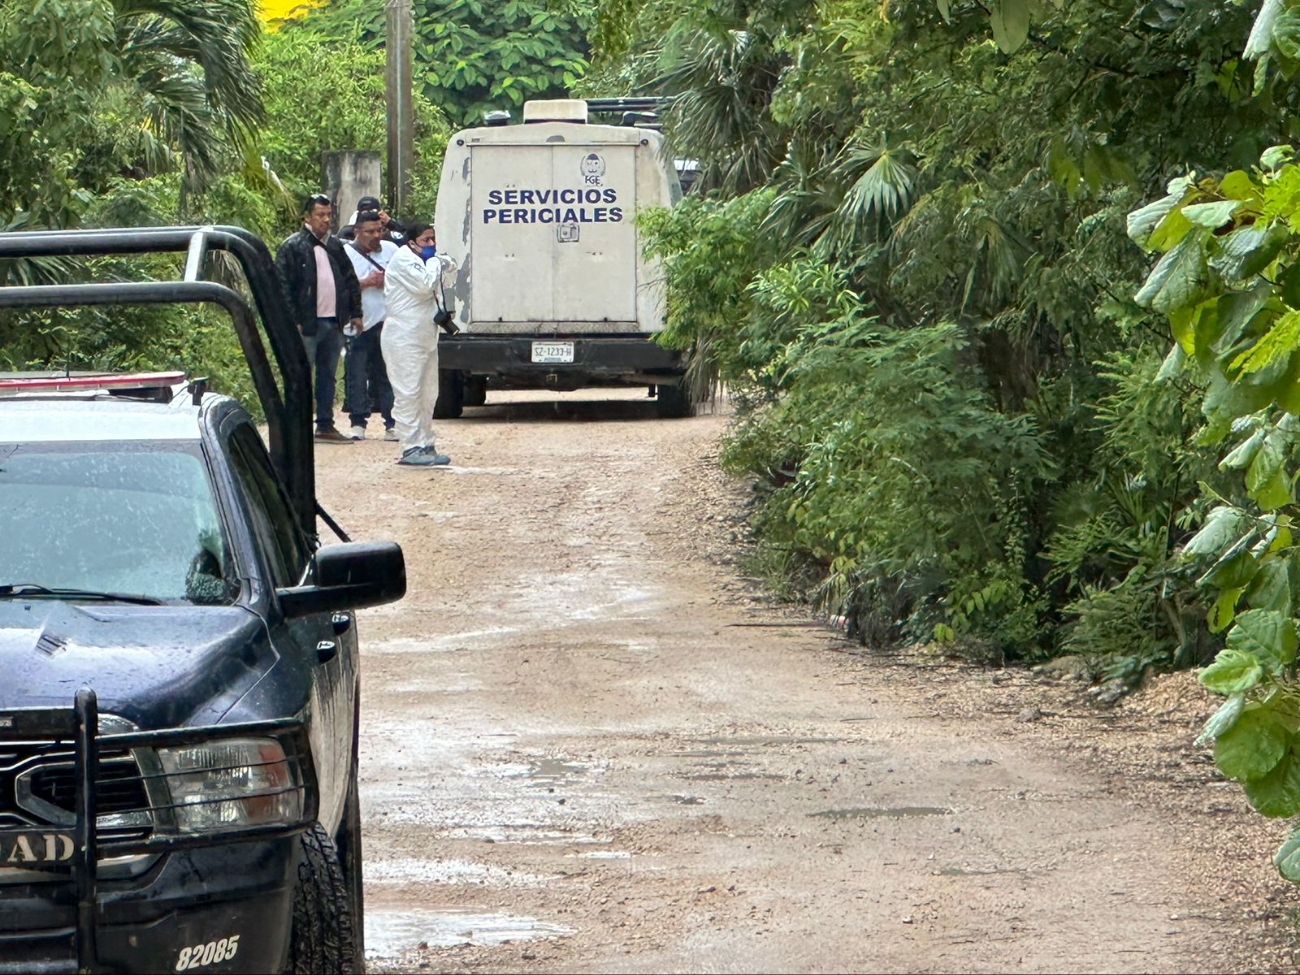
18 589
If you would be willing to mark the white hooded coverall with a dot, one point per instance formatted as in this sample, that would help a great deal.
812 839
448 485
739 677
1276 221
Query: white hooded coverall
410 342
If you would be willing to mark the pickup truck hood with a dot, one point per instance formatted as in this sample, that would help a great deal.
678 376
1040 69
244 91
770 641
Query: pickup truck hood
157 666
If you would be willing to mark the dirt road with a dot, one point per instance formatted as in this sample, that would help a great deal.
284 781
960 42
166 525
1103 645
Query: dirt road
586 746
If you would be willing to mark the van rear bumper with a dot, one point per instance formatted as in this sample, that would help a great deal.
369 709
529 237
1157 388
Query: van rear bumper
632 358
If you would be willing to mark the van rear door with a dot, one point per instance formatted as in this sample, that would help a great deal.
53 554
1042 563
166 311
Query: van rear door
553 235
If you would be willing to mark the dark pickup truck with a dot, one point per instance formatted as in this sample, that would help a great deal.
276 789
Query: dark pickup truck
179 699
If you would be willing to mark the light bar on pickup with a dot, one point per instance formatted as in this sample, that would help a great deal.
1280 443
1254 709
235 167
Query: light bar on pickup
110 381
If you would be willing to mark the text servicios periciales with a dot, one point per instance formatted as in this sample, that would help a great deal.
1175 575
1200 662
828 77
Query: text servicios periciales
553 206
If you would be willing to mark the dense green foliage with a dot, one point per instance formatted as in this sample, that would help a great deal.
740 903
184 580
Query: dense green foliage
139 112
957 393
912 213
1229 282
476 56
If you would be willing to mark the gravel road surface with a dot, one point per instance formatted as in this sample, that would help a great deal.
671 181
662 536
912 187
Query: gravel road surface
589 745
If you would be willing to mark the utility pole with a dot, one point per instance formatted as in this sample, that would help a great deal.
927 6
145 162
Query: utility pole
401 122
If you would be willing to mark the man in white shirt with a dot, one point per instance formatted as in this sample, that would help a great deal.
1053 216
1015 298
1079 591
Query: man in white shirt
365 377
413 285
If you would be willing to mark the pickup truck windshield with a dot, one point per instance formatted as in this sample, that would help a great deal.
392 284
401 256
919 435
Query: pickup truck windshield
120 517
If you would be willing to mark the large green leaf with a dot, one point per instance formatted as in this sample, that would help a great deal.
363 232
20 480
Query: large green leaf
1287 858
1232 672
1240 457
1224 610
1178 277
1236 310
1271 587
1286 35
1234 570
1273 493
1253 746
1260 41
1277 794
1224 527
1222 719
1237 185
1248 250
1266 635
1142 223
1211 216
1268 460
1010 21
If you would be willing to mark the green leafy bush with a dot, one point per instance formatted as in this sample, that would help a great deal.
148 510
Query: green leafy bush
476 56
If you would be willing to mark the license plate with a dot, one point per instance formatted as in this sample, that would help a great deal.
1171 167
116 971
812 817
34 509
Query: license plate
35 847
552 351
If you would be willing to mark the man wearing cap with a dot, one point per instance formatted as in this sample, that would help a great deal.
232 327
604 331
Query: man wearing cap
365 379
389 228
324 296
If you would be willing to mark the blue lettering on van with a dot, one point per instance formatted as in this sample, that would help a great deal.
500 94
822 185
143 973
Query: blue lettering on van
566 205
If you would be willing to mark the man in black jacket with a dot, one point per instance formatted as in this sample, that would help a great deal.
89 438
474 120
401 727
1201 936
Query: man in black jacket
325 298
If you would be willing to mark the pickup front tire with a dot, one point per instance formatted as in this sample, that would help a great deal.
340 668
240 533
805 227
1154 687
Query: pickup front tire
322 938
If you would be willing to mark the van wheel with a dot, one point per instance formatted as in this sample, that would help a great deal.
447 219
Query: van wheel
322 939
475 390
451 394
673 401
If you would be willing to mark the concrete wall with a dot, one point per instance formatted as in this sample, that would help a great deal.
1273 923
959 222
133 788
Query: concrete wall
347 177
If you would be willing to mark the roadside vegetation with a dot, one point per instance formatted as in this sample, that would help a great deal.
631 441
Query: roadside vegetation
976 415
164 112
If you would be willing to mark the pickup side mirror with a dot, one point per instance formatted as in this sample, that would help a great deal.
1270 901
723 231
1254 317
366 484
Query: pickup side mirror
351 576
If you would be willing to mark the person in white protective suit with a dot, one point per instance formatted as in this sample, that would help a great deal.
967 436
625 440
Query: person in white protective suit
413 283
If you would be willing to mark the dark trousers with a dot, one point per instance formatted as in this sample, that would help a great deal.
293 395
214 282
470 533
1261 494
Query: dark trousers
366 388
323 351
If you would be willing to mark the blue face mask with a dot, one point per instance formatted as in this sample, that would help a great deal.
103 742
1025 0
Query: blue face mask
427 252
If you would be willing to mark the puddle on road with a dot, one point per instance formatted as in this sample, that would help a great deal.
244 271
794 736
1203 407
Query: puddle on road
407 870
550 770
497 471
390 932
687 800
449 643
603 855
897 812
706 753
521 833
765 741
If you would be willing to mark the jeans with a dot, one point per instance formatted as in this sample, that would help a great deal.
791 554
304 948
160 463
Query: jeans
366 388
323 351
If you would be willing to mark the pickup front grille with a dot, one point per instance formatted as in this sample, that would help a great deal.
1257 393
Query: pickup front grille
38 788
120 793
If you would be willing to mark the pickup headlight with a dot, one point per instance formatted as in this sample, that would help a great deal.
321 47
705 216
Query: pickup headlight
232 784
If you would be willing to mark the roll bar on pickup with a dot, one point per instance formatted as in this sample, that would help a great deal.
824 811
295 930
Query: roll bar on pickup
286 399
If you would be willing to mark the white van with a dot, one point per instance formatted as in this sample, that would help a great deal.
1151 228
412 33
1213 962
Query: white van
552 289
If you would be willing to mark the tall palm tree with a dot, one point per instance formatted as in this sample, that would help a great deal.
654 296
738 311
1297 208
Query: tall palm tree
186 62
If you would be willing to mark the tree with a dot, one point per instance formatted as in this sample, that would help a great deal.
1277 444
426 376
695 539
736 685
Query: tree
98 90
975 191
476 56
298 64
